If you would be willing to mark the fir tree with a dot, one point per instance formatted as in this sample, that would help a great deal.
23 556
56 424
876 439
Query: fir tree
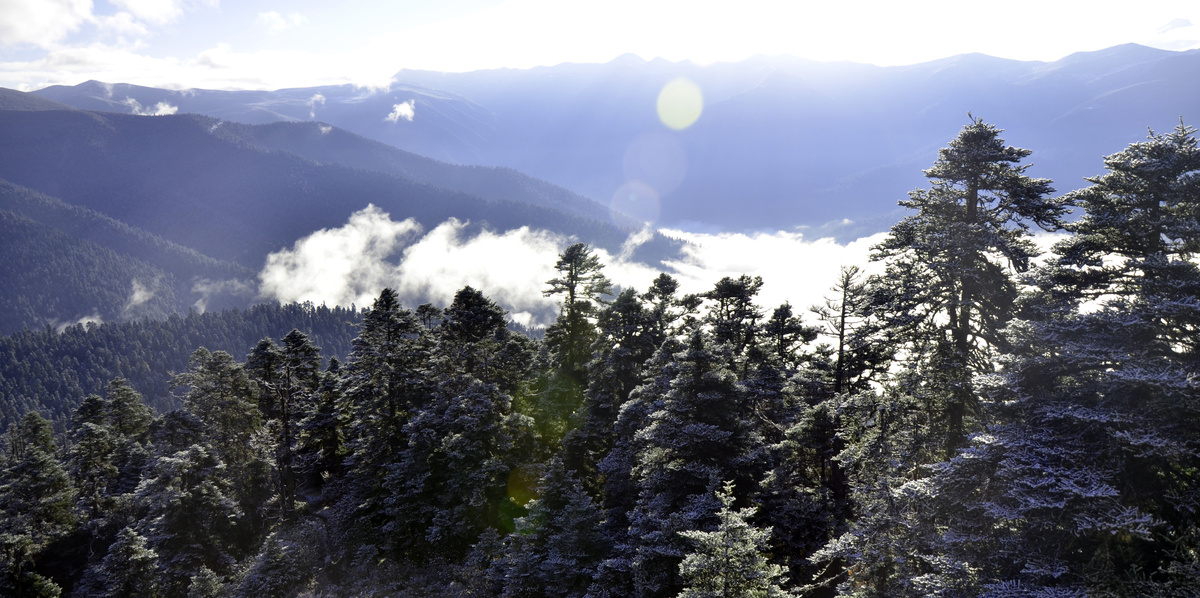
129 569
1086 483
36 500
728 562
950 265
556 548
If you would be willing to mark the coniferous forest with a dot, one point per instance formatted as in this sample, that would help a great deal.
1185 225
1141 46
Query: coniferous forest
963 417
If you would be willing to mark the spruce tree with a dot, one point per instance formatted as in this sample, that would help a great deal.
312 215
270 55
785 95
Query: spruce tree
557 547
36 506
950 266
694 438
729 562
1086 484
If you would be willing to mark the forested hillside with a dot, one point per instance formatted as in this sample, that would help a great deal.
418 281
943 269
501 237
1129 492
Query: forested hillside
209 186
50 371
971 421
66 264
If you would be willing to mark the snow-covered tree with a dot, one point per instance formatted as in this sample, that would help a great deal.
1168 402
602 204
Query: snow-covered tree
557 547
949 282
450 483
1087 484
129 569
729 561
36 500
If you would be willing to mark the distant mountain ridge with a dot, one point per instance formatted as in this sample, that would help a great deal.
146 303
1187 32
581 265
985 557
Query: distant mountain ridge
782 141
233 193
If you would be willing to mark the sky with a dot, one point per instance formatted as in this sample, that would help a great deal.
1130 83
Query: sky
263 44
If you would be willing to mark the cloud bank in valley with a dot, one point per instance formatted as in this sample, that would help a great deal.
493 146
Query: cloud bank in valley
353 263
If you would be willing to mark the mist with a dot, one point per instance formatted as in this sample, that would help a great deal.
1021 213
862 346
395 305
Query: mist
351 264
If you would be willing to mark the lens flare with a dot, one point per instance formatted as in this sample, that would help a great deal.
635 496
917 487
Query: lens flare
680 103
634 205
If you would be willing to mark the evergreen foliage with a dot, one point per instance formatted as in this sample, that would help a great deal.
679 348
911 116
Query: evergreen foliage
966 424
728 562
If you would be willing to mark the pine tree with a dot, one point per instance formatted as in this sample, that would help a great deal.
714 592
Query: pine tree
734 319
728 562
1087 482
556 548
384 383
36 500
129 569
623 345
695 437
287 378
584 286
950 265
223 398
191 521
451 482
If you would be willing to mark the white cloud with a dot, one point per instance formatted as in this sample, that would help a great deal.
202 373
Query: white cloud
41 22
339 266
159 109
93 318
312 104
123 24
156 12
404 110
139 295
324 129
511 268
276 23
353 263
209 289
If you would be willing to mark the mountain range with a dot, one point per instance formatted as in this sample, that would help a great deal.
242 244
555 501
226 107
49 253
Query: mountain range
117 216
781 142
143 215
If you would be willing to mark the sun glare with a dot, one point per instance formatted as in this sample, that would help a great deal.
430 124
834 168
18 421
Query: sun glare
680 103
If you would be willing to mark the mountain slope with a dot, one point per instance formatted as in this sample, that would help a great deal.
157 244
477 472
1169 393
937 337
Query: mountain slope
781 142
65 264
201 184
11 99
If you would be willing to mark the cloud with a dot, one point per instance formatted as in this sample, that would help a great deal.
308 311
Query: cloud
276 23
139 295
404 110
159 109
324 129
41 22
1178 34
512 268
353 263
94 318
1174 24
340 266
210 290
156 12
312 104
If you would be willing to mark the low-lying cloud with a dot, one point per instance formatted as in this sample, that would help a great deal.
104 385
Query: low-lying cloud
353 263
159 109
139 295
405 110
214 290
312 104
